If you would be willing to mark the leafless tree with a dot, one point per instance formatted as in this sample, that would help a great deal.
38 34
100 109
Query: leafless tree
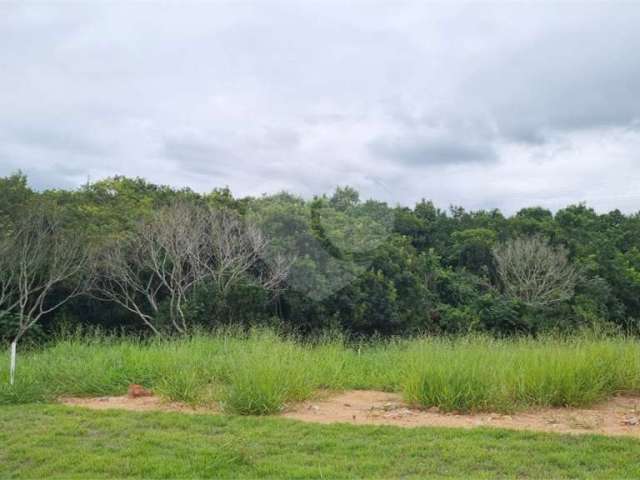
534 272
240 249
7 273
8 297
122 277
36 258
177 249
163 258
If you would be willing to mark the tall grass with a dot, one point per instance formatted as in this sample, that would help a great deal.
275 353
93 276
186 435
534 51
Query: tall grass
261 372
486 374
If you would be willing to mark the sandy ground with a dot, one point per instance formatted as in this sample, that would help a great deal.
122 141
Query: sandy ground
141 404
618 416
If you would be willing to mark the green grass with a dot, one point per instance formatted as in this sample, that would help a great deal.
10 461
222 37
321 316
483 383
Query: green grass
260 372
41 441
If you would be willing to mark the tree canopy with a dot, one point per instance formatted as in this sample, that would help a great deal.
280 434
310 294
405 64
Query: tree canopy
361 266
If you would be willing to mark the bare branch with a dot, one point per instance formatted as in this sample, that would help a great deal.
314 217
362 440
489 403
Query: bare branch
241 250
162 259
178 248
37 258
534 272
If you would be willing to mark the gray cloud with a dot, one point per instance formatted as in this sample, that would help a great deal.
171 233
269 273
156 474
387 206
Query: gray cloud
58 139
414 150
198 158
574 79
530 103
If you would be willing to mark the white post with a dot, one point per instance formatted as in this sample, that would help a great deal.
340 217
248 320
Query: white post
12 371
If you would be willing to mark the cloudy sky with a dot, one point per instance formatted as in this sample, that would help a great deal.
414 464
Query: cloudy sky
480 105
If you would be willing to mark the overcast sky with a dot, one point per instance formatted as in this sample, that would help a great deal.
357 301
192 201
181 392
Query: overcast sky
484 106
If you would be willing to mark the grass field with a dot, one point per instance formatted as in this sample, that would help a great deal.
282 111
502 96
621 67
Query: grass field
260 372
42 441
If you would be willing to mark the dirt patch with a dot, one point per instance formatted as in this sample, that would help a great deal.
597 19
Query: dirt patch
137 404
618 416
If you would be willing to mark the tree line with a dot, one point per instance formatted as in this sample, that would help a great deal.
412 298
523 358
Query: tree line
127 255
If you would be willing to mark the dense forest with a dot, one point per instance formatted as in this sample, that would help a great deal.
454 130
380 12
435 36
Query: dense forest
126 255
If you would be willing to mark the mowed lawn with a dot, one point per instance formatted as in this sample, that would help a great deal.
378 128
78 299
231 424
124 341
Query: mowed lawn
54 441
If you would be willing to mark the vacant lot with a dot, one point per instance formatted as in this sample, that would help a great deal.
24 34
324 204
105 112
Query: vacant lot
261 372
264 373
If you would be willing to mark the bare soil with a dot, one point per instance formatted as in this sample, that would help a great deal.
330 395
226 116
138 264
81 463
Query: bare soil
618 416
136 404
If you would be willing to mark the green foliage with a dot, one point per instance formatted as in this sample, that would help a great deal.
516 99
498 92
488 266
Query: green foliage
472 249
362 266
15 194
260 372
